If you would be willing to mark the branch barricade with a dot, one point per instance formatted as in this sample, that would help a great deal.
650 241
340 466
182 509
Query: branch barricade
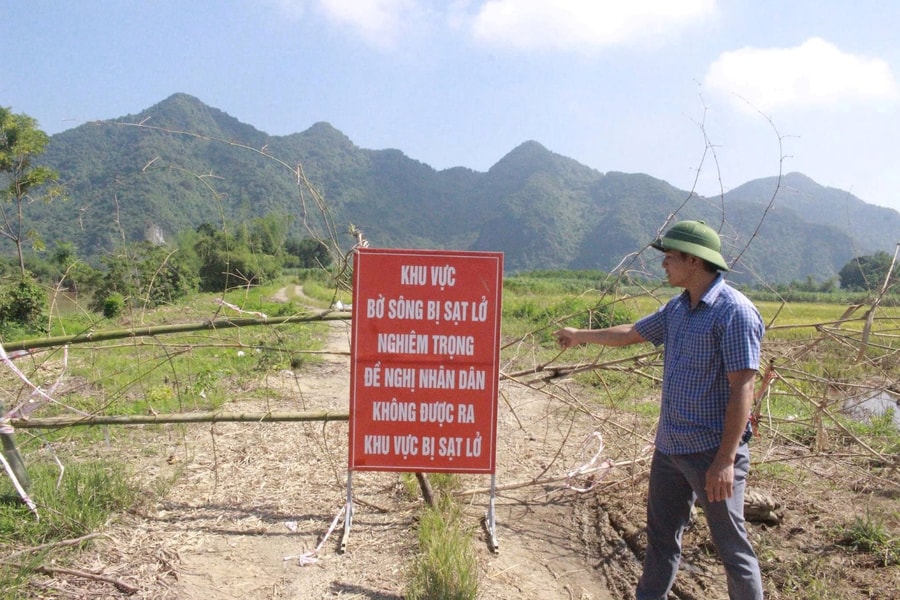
137 332
205 417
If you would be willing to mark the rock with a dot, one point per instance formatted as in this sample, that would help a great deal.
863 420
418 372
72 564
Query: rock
761 507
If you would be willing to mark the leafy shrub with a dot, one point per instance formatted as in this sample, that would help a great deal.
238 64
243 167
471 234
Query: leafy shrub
224 269
307 254
867 272
113 305
147 274
23 307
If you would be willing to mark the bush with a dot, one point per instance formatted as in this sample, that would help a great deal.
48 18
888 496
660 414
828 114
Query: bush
145 274
223 270
23 307
113 305
81 502
871 535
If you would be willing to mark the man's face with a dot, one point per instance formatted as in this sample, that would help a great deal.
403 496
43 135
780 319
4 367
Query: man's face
677 266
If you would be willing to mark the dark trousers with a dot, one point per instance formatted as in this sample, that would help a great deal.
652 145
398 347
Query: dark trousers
676 482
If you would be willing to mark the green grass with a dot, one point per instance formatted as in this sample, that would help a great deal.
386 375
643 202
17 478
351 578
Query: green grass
445 483
173 373
870 535
87 496
880 431
776 471
325 293
445 566
81 502
807 578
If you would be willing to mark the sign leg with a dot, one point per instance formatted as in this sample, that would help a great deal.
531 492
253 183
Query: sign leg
491 520
348 513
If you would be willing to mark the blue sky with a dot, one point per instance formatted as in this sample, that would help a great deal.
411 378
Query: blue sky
717 92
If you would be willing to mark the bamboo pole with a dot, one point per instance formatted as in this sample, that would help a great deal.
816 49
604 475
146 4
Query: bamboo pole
14 459
204 417
136 332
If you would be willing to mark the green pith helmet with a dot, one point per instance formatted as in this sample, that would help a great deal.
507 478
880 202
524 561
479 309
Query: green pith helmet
696 238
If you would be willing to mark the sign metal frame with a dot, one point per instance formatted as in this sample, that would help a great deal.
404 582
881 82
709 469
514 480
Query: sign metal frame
425 360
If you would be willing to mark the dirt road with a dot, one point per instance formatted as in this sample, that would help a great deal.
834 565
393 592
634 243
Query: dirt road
232 507
246 501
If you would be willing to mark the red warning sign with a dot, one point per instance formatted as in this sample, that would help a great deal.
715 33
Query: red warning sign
425 354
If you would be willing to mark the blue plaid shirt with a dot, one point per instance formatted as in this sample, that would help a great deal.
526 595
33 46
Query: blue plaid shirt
702 345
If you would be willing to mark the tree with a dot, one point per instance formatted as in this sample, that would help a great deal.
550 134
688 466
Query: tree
267 233
865 273
226 261
145 274
23 182
308 253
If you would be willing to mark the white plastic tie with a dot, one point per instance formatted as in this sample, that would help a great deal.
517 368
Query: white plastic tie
240 310
22 493
590 466
309 558
24 410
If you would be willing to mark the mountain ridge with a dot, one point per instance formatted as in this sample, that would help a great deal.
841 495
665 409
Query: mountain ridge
180 163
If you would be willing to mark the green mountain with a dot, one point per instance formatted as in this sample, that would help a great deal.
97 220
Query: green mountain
181 163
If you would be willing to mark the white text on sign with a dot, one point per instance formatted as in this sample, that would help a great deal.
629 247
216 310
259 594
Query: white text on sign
414 343
439 378
427 412
441 275
413 445
404 309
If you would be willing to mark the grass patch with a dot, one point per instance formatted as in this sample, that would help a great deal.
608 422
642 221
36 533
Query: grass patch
319 286
776 471
87 495
879 430
445 483
866 534
177 372
445 566
83 501
807 578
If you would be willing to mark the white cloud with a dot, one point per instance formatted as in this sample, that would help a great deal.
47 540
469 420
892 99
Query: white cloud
583 24
815 73
380 22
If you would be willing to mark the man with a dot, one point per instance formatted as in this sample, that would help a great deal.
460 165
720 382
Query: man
711 335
